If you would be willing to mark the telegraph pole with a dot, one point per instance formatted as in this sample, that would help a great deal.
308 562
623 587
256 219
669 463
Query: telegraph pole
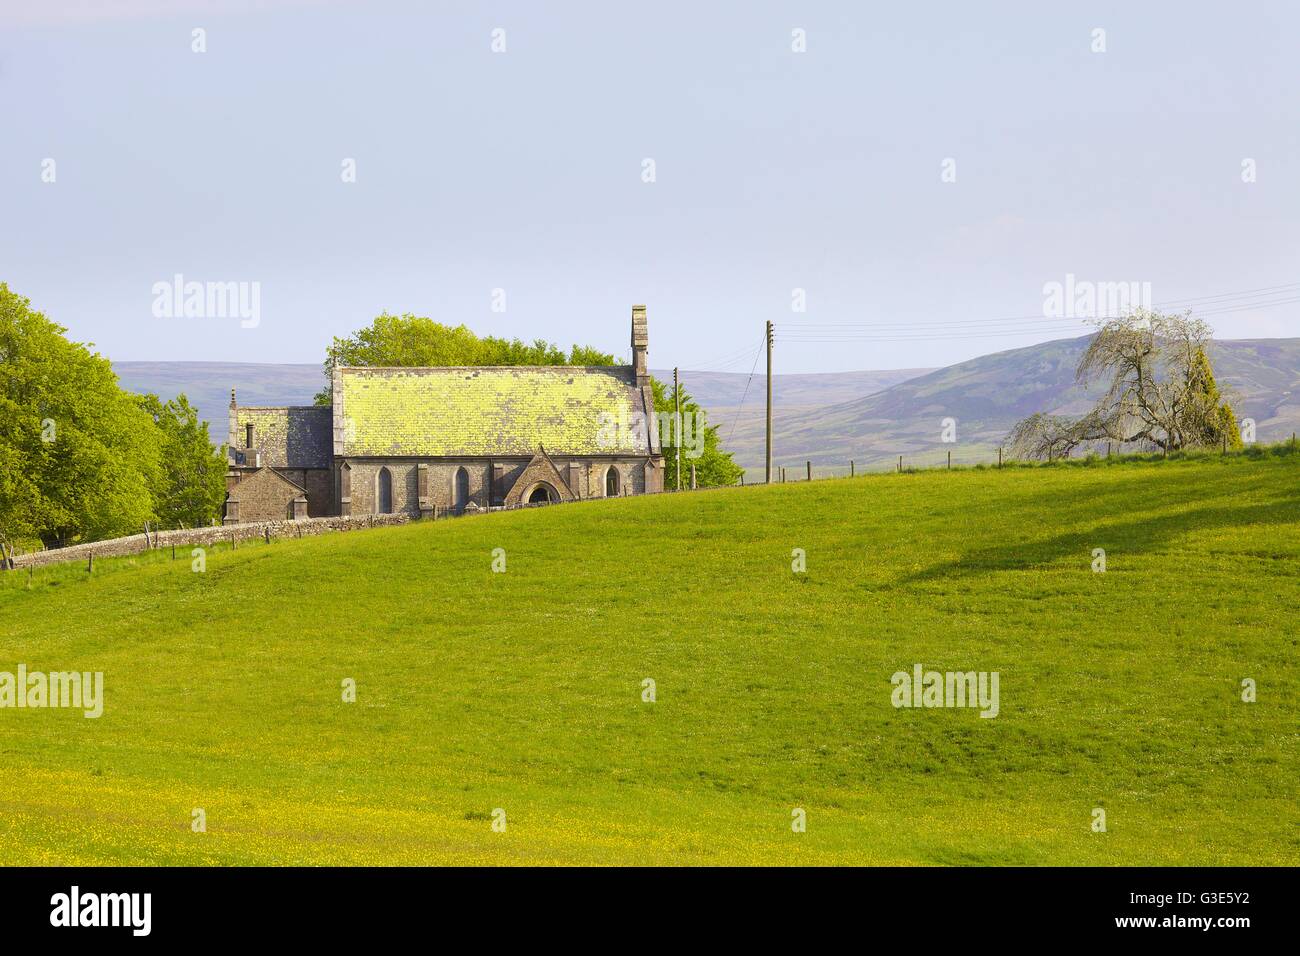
677 424
768 471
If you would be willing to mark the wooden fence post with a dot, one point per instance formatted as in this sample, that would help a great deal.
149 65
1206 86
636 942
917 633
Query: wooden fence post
900 464
810 471
90 562
950 461
850 467
999 457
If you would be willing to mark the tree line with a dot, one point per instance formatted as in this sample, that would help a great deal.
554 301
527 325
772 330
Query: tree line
80 458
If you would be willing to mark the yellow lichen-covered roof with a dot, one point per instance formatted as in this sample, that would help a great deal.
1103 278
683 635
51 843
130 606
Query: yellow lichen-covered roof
489 411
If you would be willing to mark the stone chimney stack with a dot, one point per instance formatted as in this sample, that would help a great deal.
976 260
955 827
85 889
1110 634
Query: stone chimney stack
640 344
231 442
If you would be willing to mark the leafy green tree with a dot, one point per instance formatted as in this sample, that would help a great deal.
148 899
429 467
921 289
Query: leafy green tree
585 355
78 456
414 341
1210 419
714 466
192 485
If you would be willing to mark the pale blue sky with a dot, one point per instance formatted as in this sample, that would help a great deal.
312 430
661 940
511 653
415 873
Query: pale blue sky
522 171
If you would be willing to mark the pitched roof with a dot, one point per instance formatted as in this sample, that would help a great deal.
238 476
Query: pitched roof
265 473
289 437
489 411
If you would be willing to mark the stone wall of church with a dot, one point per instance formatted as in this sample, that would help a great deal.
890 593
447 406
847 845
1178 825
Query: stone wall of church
405 476
319 483
585 476
260 499
268 501
288 437
631 477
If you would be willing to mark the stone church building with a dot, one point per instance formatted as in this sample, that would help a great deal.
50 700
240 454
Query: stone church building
433 441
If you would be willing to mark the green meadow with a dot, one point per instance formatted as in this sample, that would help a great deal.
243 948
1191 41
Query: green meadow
522 691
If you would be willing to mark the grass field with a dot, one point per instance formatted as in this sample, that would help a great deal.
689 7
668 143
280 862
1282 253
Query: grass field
523 690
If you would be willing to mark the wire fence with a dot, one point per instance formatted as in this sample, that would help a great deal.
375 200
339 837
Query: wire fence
927 460
932 459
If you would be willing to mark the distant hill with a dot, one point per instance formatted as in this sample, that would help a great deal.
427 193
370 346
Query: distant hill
207 385
720 392
989 394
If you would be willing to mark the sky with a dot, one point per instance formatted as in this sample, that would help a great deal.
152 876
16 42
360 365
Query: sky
893 186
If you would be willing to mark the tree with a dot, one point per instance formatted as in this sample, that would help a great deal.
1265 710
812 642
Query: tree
1161 391
192 484
1046 436
78 456
1210 420
713 467
415 341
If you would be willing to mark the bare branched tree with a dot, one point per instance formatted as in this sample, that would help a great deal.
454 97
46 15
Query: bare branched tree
1051 436
1161 391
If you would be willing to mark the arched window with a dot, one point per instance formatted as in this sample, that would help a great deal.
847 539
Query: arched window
611 482
385 491
543 494
462 489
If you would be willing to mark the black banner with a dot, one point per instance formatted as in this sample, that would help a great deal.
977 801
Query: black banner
332 906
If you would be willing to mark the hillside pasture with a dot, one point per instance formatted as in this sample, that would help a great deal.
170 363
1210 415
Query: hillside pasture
524 691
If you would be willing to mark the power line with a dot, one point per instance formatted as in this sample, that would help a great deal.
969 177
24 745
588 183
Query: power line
942 323
1243 298
828 333
1246 308
736 418
737 361
729 358
1266 290
924 333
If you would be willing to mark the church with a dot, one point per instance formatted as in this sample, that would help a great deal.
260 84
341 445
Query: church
434 441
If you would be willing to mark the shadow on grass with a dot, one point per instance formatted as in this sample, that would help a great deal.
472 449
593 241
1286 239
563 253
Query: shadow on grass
1138 536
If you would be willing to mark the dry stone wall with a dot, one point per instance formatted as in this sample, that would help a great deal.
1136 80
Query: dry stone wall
188 537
